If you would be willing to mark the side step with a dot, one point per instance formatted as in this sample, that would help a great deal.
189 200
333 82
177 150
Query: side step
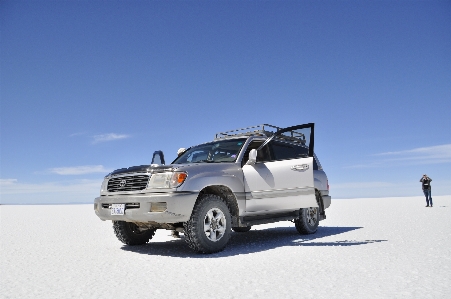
269 218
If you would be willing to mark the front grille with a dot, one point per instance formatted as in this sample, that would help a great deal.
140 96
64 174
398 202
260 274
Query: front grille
128 183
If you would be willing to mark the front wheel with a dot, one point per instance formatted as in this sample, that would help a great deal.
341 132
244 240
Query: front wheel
130 234
208 229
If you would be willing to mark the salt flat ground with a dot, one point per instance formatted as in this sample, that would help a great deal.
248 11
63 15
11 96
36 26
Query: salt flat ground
367 248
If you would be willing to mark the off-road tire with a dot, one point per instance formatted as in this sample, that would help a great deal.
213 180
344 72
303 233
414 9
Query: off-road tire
208 229
308 220
320 202
241 229
129 234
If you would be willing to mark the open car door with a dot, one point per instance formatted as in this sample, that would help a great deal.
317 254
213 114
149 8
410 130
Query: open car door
282 178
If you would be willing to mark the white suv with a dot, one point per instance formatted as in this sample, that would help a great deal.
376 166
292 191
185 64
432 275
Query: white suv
243 177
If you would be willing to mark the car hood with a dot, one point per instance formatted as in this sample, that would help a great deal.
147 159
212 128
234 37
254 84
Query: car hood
170 167
141 168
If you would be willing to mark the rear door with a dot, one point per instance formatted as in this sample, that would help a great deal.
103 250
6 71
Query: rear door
282 178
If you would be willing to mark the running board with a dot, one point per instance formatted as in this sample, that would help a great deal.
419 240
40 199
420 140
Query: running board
269 218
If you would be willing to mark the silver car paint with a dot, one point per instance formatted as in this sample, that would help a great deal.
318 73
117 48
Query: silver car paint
179 207
180 201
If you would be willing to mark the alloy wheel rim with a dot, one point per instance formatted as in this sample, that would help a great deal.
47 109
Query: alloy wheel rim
312 216
214 224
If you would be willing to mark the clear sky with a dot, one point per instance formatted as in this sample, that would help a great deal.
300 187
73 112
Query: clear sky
91 86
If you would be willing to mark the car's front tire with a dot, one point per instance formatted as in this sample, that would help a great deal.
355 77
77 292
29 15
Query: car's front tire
130 234
208 229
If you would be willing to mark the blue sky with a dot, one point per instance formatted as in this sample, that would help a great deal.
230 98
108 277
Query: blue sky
91 86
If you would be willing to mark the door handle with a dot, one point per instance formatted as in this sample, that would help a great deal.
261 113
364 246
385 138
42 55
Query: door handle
300 167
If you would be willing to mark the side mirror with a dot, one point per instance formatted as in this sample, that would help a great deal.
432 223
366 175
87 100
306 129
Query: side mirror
252 157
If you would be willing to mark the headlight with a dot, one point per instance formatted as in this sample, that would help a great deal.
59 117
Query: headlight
104 186
166 180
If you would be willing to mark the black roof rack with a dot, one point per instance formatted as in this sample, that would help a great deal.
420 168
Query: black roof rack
264 130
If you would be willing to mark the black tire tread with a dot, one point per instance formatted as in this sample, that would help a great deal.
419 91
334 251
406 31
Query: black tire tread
301 223
192 231
124 232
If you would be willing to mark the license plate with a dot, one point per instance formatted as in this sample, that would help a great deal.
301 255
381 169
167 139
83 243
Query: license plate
117 209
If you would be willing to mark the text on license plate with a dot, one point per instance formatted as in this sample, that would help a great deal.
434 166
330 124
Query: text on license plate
117 209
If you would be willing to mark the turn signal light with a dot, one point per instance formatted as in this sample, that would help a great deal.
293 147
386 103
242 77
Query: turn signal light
180 177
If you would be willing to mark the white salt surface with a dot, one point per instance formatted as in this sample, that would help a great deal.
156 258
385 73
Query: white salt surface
367 248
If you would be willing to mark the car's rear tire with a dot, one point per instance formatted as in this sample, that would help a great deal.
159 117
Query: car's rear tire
308 221
241 229
129 233
208 229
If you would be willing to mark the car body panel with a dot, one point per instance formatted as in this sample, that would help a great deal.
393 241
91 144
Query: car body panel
277 185
262 188
179 207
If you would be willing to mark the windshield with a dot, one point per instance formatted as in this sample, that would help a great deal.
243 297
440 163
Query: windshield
212 152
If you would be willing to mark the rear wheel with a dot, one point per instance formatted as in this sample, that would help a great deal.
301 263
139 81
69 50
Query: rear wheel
130 234
208 229
308 221
309 217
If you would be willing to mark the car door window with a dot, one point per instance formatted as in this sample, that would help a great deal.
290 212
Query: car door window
263 154
284 151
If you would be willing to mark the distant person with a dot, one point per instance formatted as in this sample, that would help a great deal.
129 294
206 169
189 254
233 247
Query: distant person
426 185
175 233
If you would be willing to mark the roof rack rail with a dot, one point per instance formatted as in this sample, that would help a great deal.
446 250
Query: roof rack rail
263 130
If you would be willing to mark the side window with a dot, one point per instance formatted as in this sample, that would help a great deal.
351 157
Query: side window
262 155
284 151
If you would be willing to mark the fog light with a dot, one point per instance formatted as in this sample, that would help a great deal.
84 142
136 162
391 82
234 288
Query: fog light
158 206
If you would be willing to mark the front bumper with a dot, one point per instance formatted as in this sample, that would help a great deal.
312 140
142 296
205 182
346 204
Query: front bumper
139 207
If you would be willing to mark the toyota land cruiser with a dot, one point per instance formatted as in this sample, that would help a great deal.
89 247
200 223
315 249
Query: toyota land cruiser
244 177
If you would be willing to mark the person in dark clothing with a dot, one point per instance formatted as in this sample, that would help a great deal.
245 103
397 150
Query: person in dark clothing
426 185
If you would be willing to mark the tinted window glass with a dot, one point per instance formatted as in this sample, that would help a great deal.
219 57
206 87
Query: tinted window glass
262 155
283 151
213 152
